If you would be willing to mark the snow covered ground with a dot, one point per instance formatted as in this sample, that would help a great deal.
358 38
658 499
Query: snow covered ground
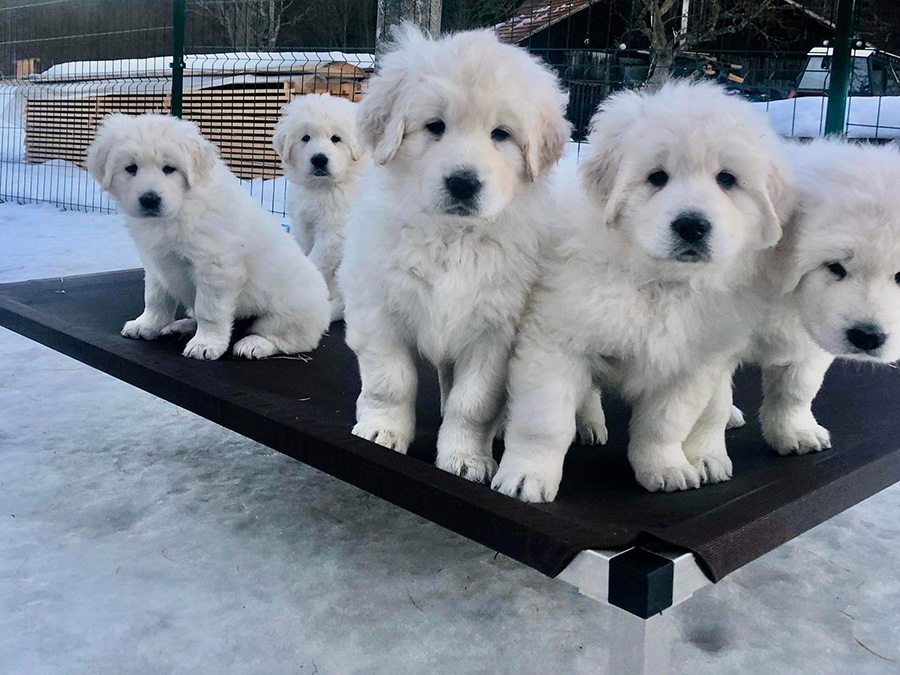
138 538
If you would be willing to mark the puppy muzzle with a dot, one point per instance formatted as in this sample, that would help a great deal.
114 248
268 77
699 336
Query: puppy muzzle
690 237
462 189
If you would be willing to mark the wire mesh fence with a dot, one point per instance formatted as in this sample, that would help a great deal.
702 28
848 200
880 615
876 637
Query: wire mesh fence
65 64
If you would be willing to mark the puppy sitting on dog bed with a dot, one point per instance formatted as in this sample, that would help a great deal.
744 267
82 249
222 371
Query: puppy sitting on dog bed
316 140
205 244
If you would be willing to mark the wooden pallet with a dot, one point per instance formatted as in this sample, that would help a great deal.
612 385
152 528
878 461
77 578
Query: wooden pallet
239 119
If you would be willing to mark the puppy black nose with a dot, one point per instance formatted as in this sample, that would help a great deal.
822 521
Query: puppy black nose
463 185
692 227
319 160
150 201
866 337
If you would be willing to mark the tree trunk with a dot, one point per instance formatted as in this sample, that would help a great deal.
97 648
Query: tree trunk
663 58
424 13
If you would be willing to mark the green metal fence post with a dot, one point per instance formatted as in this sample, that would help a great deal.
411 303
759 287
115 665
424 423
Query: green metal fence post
840 68
178 20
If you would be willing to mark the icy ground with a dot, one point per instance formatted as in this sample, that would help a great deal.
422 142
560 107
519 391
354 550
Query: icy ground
138 538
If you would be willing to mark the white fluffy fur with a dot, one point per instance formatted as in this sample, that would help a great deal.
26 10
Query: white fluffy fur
849 213
319 198
418 278
616 306
209 247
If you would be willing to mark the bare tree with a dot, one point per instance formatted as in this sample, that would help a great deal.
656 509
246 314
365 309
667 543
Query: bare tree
252 24
675 26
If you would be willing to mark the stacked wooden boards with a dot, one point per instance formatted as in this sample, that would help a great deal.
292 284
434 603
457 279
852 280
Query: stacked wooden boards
238 117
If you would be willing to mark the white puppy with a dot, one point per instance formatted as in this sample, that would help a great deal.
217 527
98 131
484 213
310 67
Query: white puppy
316 140
648 293
205 244
442 247
839 271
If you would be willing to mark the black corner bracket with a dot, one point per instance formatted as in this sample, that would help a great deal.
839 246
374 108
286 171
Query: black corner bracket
641 582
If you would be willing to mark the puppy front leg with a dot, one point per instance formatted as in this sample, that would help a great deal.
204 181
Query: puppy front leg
660 423
445 382
544 392
326 256
159 311
591 420
788 424
705 445
386 407
214 308
472 411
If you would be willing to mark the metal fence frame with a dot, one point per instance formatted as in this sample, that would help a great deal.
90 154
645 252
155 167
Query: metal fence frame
589 74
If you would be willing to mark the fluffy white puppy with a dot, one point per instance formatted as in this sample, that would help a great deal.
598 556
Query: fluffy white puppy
205 244
442 247
648 292
839 271
316 140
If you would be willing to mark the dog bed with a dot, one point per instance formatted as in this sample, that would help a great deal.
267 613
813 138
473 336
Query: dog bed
304 407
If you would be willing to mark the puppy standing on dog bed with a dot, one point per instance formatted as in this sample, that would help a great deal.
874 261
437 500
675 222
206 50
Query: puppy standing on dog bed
316 140
205 244
838 267
651 292
442 246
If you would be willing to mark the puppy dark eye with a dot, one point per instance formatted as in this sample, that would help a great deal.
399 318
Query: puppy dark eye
499 134
726 180
658 178
335 139
131 168
305 139
167 169
436 127
838 270
897 278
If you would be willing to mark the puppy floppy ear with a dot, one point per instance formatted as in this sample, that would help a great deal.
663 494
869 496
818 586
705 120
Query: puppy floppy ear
356 150
547 137
601 171
282 141
778 201
381 118
99 153
200 155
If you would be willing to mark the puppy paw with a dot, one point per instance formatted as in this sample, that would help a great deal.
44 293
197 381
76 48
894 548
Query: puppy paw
736 420
139 329
179 329
394 437
204 349
254 347
592 432
669 478
799 439
713 469
477 469
527 484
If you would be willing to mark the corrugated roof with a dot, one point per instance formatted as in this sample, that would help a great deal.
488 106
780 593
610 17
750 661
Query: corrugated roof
536 15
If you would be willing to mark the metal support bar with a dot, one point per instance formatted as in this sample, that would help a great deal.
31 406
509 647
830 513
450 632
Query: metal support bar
642 584
839 79
639 646
178 21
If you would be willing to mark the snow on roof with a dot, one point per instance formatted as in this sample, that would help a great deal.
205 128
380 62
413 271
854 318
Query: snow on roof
205 64
865 52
